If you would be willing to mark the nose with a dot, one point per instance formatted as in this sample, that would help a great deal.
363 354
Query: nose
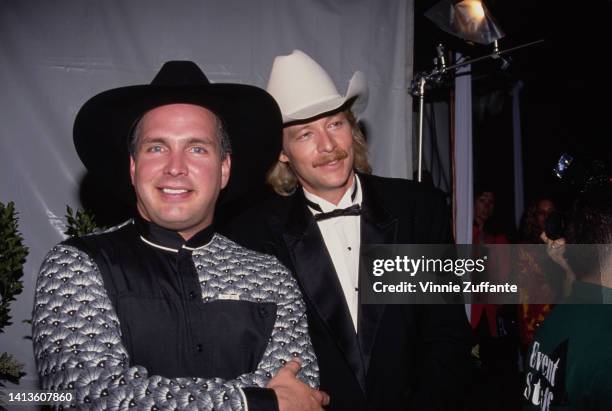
326 142
176 164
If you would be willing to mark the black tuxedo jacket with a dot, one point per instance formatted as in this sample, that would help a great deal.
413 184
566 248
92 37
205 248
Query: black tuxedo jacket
405 357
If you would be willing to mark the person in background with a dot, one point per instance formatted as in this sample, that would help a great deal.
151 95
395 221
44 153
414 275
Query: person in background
568 364
534 281
533 221
486 230
495 343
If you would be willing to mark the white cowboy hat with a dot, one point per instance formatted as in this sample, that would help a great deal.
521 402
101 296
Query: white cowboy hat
303 89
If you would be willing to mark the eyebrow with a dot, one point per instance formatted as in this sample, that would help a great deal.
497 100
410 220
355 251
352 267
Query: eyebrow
191 140
338 117
152 140
300 128
201 140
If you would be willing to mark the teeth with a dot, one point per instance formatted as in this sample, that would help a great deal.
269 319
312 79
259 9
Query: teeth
174 191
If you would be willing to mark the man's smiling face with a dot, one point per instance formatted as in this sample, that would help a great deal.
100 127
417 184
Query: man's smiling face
177 169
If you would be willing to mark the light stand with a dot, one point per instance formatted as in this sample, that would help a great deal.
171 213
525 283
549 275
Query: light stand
419 83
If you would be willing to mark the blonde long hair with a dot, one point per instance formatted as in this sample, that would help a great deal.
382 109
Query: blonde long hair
283 180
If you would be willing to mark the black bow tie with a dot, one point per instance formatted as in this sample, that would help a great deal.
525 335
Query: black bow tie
355 209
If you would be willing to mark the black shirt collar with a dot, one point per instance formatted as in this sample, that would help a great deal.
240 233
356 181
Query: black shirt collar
171 240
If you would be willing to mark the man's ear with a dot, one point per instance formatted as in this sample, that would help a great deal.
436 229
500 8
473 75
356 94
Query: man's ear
282 157
226 166
132 168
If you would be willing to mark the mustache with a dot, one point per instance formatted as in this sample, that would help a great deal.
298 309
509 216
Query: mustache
337 154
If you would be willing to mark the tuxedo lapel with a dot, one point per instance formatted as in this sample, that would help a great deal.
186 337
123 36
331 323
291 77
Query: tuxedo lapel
317 276
378 226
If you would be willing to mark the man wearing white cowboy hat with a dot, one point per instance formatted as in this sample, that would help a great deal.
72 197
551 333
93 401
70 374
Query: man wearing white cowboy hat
162 312
371 357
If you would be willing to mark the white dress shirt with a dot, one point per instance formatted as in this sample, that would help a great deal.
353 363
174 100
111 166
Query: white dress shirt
342 236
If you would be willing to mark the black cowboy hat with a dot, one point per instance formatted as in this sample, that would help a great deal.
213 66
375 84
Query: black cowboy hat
249 114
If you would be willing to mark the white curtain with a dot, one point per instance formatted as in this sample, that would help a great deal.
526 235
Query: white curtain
54 55
463 158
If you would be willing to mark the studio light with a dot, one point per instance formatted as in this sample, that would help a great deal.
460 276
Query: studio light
469 20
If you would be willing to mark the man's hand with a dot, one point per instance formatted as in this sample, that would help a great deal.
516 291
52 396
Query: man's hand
293 394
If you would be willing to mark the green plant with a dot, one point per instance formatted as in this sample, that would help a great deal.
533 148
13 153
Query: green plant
12 258
10 369
80 223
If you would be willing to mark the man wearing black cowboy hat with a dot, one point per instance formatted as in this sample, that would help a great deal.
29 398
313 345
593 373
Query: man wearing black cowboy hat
162 312
371 357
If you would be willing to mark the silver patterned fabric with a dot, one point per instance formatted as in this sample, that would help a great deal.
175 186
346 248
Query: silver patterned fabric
77 335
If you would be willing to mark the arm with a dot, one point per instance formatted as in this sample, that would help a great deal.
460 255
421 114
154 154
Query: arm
290 349
289 339
77 343
556 251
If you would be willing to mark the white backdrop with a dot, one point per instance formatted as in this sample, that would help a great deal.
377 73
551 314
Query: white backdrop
54 55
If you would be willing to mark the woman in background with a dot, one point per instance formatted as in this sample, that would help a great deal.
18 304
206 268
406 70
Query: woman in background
537 274
495 350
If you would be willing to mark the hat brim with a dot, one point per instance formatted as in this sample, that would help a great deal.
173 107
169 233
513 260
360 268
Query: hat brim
356 94
250 116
